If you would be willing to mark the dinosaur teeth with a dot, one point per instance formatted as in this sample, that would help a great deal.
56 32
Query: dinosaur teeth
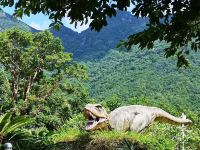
102 120
94 117
90 125
92 120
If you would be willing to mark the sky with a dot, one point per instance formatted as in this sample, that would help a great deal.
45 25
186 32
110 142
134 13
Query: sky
41 22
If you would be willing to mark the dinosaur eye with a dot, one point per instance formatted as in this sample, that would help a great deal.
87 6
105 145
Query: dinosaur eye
98 106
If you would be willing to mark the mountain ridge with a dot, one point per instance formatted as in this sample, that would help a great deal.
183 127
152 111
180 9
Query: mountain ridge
87 45
8 21
92 45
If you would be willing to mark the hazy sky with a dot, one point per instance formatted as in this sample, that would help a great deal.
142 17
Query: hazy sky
42 22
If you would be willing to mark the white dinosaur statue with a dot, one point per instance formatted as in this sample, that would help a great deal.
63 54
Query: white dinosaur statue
125 118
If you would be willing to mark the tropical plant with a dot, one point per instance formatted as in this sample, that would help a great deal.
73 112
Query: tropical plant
10 125
31 139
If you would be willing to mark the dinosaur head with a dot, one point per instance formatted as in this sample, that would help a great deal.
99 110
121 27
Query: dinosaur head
97 117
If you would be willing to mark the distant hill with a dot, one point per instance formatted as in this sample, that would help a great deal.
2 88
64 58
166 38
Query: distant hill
87 45
147 74
90 45
7 21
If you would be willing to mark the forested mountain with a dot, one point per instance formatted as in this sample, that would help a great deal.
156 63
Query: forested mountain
134 74
145 74
7 21
87 45
90 45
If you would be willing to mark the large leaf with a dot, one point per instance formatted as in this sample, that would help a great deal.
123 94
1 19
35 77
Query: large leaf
7 125
4 121
17 123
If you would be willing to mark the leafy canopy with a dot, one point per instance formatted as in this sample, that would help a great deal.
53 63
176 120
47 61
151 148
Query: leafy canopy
38 78
25 56
176 22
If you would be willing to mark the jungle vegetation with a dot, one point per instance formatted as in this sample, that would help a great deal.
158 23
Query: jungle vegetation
43 92
146 74
38 79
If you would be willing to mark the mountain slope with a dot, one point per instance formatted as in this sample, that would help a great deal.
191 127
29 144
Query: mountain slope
67 36
90 45
87 45
145 74
135 74
7 21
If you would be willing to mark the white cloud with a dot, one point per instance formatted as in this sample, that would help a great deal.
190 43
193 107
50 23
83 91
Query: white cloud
79 28
35 25
66 21
44 25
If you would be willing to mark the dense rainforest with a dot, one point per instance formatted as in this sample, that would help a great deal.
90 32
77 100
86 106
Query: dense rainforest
145 74
44 88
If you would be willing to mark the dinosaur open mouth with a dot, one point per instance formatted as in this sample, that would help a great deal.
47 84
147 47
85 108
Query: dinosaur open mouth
93 120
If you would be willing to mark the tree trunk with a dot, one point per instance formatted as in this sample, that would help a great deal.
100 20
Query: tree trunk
15 85
28 85
27 88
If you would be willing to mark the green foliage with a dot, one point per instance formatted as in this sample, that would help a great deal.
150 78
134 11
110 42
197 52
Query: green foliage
154 143
145 74
56 11
111 140
113 102
9 125
42 80
32 139
72 129
5 91
68 135
176 26
77 121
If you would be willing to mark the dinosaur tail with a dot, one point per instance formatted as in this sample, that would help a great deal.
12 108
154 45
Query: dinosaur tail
163 116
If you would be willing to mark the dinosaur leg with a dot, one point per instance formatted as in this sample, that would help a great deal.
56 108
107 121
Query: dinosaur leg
140 122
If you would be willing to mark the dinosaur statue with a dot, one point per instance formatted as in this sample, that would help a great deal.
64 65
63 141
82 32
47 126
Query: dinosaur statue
133 117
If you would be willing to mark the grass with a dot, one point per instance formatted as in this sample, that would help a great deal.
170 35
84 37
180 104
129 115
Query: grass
67 136
112 140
